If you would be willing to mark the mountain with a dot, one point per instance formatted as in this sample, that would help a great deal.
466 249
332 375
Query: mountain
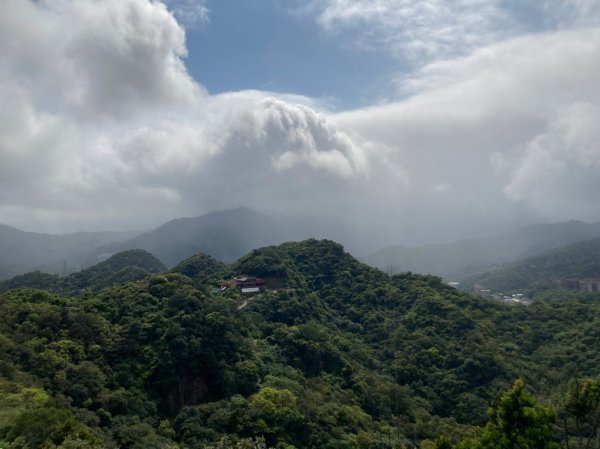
338 355
456 260
226 235
579 260
123 267
22 252
200 267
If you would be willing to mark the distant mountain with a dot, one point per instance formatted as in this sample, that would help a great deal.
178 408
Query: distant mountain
123 267
460 259
22 252
578 260
227 235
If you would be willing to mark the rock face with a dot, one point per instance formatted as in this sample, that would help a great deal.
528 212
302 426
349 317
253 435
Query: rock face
191 390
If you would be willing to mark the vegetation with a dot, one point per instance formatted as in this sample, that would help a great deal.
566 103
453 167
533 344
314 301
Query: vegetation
123 267
536 276
339 356
22 252
457 260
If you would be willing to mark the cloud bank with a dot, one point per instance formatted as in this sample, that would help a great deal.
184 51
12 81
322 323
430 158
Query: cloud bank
102 122
103 127
495 125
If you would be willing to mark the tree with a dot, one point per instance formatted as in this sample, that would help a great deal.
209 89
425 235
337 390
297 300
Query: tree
273 413
580 415
516 423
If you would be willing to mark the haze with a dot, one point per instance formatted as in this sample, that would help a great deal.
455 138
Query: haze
412 121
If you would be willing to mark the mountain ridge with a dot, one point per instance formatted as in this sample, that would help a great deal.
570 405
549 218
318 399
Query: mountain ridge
576 260
456 260
227 235
24 251
120 268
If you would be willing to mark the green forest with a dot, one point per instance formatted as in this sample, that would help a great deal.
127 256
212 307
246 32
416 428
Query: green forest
334 354
537 277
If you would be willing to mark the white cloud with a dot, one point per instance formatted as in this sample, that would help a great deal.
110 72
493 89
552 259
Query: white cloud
467 115
101 122
97 60
415 30
429 30
558 170
190 13
102 125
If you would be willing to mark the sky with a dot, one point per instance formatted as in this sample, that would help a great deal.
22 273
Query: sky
415 121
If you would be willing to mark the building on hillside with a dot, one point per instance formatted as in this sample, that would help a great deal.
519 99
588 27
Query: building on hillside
589 285
246 284
249 282
570 284
480 290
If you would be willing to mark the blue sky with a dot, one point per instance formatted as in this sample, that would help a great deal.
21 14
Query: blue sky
323 49
256 44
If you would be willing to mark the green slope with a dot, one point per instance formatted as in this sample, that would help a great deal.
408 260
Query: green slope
120 268
454 261
22 252
199 267
579 260
341 356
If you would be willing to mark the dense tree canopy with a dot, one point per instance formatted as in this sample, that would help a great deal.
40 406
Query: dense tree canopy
334 355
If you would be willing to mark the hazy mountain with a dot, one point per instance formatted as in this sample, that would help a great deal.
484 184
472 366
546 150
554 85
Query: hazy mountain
22 252
578 260
459 259
227 235
123 267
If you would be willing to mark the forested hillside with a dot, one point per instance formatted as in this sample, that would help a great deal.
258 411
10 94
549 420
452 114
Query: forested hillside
579 260
120 268
21 252
454 261
334 355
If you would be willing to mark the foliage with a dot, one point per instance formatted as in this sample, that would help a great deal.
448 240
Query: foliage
123 267
339 356
580 414
516 422
579 260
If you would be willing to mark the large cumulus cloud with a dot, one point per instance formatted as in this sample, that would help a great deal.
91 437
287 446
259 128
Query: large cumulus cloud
558 170
101 124
495 124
